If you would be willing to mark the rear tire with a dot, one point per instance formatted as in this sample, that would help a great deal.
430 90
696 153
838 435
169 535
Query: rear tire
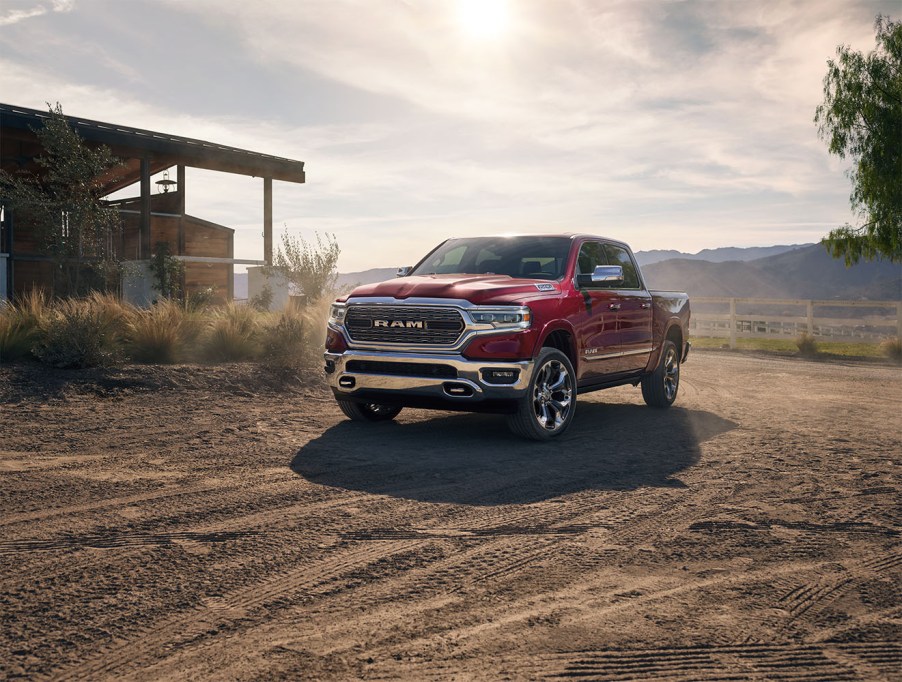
549 404
368 412
659 389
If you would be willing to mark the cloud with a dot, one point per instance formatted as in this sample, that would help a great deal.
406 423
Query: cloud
15 15
669 124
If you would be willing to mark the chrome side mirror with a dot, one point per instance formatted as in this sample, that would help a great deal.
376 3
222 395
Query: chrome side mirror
604 275
403 271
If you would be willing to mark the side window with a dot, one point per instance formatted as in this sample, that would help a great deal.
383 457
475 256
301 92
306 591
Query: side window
617 255
590 255
450 262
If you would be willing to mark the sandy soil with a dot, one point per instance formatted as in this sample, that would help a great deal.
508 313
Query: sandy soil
192 523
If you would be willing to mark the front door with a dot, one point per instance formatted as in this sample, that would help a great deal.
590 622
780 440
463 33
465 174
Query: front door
598 339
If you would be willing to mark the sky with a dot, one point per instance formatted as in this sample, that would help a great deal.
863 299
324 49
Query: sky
668 124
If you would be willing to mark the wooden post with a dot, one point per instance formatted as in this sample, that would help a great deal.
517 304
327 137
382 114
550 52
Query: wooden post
230 287
267 220
144 230
180 247
732 323
10 256
810 306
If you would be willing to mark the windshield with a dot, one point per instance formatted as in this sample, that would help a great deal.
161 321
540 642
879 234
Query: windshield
530 257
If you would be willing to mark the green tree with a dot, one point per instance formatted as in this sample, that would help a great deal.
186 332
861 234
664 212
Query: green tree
862 116
62 203
312 268
167 271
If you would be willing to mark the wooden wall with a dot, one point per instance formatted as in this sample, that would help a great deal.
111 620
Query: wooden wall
200 238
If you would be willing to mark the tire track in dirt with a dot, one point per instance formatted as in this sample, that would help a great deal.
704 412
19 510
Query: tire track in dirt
187 628
783 661
115 540
575 596
445 577
772 662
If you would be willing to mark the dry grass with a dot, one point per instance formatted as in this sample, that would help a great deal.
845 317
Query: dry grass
20 326
232 334
807 345
159 334
101 329
892 348
85 332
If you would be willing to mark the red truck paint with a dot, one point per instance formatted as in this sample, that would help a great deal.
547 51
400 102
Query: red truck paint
609 334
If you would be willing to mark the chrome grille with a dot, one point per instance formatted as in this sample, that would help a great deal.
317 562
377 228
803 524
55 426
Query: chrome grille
440 326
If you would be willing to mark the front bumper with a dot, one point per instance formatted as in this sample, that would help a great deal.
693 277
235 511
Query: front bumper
406 377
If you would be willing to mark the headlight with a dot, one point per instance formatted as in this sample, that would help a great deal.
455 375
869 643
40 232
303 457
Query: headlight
515 318
337 313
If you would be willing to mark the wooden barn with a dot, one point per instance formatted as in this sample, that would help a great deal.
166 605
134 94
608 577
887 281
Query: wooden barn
157 211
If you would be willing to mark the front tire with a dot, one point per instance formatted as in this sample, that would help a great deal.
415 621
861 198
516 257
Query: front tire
549 404
368 412
659 389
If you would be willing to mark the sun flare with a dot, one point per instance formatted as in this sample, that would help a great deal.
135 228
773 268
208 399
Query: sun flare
484 19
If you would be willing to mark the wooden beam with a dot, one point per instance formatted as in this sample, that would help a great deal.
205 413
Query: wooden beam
214 259
267 220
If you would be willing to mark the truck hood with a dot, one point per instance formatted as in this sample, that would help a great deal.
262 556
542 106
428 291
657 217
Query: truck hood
477 289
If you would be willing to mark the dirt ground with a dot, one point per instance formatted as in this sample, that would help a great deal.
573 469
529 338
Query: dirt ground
199 523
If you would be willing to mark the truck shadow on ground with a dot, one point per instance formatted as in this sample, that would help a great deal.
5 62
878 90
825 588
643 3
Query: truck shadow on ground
473 459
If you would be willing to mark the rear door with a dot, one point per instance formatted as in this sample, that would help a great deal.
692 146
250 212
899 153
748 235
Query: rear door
634 314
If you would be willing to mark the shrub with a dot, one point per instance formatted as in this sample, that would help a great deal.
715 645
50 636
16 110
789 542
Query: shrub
232 334
16 338
892 348
200 300
807 345
286 344
20 326
160 334
83 333
262 301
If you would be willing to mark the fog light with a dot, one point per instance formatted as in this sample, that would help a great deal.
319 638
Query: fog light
500 376
347 382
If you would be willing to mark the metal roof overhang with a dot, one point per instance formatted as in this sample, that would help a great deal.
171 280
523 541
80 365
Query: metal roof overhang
162 150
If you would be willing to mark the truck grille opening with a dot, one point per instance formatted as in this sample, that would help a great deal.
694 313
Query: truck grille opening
404 324
402 369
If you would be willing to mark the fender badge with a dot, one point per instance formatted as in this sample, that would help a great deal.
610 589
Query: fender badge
545 287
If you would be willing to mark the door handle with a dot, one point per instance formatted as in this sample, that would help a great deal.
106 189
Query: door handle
645 306
614 306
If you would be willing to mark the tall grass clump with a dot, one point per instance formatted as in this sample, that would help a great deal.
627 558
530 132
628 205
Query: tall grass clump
892 348
162 334
232 334
20 325
87 332
285 343
807 345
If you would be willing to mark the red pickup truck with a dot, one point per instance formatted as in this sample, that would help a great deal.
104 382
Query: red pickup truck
516 325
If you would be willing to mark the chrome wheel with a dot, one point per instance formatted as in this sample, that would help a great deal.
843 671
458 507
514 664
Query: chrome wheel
659 388
671 373
552 395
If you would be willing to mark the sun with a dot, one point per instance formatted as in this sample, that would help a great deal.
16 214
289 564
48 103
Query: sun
483 19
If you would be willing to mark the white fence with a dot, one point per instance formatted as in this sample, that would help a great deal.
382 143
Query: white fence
767 318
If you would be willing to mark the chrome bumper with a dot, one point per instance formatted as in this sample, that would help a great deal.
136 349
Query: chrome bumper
468 386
